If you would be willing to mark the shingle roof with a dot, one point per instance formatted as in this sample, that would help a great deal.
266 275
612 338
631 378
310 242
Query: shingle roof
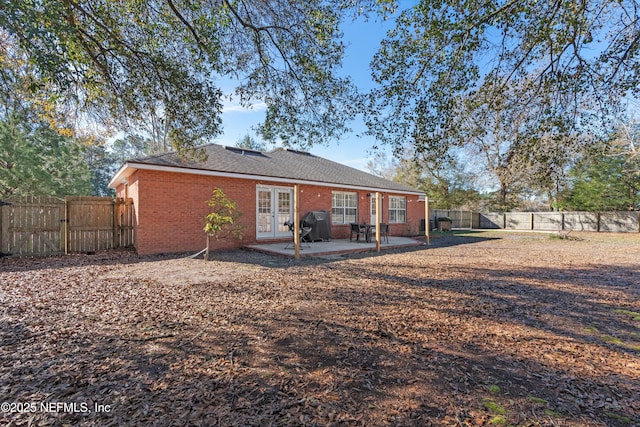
279 163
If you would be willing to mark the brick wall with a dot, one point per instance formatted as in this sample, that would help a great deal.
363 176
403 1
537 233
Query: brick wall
170 209
415 212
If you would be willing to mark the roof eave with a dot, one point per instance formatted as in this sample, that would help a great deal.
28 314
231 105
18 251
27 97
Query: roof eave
125 171
130 167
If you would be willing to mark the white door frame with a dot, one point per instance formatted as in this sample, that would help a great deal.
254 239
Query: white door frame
270 222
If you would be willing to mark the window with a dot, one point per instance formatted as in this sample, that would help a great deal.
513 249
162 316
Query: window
344 207
397 209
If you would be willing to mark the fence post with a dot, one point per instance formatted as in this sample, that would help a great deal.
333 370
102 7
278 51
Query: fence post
531 220
296 221
64 231
116 228
1 226
427 220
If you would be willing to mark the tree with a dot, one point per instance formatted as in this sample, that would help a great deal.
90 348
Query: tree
446 184
608 176
38 154
223 220
35 160
102 165
160 64
602 184
250 143
577 59
626 142
130 147
517 143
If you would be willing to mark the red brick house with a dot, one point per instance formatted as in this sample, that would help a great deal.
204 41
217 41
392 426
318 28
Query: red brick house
169 196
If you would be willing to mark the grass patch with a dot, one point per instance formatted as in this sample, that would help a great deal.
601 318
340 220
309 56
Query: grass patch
618 417
538 400
558 236
494 389
494 407
633 346
562 235
611 339
633 314
550 413
498 420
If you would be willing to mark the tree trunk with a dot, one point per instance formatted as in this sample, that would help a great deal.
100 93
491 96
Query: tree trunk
206 253
503 195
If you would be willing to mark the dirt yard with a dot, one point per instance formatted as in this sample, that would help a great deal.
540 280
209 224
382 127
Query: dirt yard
484 328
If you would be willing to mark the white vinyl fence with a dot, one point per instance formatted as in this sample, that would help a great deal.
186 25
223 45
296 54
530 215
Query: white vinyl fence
620 222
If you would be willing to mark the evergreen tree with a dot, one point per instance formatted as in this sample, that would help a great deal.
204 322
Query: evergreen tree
602 184
35 160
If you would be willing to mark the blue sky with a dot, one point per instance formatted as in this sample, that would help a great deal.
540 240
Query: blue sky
362 40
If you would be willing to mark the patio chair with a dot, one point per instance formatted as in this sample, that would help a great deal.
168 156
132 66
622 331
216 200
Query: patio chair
384 232
305 229
357 229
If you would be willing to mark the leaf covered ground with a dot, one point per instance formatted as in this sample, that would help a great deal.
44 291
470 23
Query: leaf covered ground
484 328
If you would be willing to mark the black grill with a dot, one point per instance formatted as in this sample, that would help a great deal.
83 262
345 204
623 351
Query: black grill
320 223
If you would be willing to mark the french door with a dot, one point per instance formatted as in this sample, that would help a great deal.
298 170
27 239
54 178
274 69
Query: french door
274 206
373 208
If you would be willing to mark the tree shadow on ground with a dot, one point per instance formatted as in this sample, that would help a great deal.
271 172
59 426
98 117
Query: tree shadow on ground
343 342
299 366
457 237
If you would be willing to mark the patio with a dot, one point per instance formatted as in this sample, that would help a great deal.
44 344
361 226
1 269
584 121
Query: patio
333 247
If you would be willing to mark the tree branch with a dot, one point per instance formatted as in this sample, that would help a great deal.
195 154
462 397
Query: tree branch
187 24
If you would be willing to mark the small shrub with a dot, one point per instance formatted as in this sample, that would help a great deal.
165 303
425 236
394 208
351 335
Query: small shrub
222 222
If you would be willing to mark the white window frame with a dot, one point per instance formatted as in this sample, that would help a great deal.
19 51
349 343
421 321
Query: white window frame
343 201
397 209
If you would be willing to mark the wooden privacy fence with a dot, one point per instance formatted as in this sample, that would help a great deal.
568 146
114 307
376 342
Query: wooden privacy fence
41 226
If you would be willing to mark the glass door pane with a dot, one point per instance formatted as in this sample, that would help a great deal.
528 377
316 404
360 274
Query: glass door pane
265 219
373 209
285 211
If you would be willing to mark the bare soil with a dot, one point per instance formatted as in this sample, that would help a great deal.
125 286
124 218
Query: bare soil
486 328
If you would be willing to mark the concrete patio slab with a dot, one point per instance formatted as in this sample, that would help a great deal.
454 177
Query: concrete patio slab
333 247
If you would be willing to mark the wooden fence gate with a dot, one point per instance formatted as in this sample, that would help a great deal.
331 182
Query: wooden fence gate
41 226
